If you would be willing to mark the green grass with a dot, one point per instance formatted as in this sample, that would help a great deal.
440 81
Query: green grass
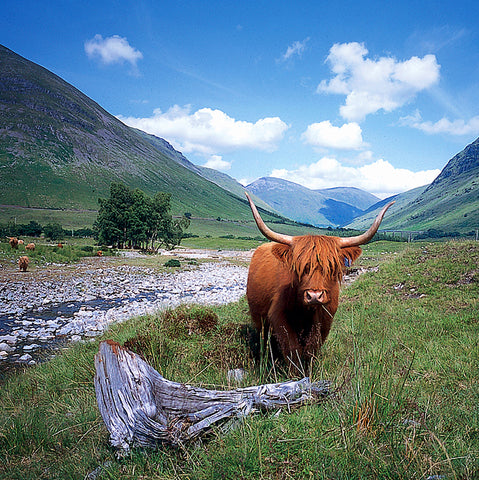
48 252
68 219
402 355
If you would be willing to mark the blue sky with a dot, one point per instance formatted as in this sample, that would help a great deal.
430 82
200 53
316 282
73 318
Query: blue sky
375 95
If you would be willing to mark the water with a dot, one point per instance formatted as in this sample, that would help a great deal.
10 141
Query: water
35 320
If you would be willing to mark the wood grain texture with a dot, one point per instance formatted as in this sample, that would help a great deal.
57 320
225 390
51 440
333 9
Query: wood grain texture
141 408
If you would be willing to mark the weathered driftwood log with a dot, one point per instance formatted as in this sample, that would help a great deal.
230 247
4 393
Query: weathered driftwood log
141 408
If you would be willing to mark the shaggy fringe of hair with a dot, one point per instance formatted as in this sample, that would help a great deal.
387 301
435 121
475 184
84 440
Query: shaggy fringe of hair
317 251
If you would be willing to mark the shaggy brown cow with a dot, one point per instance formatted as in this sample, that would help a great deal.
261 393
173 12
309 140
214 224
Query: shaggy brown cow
23 263
99 253
30 246
13 241
293 285
20 242
60 245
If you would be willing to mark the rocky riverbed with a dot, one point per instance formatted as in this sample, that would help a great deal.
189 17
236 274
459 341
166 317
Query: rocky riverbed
51 306
47 308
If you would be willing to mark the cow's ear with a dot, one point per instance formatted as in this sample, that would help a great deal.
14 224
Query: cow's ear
350 254
282 252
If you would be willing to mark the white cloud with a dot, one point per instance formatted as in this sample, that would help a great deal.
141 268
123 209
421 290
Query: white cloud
296 48
371 85
114 49
210 132
444 125
217 162
379 177
324 134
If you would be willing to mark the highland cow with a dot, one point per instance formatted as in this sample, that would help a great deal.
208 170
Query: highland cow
13 241
23 263
293 285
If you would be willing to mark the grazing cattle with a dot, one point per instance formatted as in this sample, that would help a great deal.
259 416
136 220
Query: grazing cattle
293 285
23 263
30 246
60 245
20 242
13 241
99 253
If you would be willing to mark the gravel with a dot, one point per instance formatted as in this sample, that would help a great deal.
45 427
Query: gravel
48 311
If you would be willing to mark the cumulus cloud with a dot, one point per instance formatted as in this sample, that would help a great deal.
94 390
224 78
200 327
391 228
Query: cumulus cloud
210 132
296 48
378 177
216 162
372 85
444 125
110 50
324 134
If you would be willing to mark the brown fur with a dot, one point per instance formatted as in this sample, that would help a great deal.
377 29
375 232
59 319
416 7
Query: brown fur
99 253
30 246
279 275
60 245
23 263
13 241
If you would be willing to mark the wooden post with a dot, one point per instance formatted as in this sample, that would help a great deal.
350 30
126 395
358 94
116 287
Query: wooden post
142 408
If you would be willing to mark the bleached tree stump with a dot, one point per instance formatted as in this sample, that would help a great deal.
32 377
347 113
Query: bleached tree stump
142 408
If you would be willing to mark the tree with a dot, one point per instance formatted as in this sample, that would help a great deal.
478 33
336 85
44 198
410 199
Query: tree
33 229
54 231
112 221
130 217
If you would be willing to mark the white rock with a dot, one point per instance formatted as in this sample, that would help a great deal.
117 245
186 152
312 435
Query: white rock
5 347
25 358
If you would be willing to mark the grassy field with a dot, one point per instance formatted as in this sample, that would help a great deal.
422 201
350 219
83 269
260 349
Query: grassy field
402 356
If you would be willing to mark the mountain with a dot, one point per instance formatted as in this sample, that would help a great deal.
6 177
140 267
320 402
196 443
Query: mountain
304 205
350 195
219 178
450 203
61 150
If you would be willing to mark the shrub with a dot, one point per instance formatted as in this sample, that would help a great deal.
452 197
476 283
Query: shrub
173 262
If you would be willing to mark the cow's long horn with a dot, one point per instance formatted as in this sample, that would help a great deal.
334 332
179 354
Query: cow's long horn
366 236
267 232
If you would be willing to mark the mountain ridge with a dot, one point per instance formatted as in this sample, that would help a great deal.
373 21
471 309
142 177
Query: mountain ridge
315 207
60 149
450 203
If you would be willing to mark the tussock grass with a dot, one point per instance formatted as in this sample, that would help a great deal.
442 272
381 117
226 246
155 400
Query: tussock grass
402 354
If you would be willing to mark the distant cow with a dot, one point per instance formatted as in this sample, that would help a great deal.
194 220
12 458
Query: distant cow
30 246
293 285
13 241
99 253
60 245
23 263
20 242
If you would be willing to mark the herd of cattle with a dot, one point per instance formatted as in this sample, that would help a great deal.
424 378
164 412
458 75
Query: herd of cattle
23 261
292 287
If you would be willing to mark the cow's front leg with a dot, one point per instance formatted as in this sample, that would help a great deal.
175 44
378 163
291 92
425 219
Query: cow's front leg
284 334
321 326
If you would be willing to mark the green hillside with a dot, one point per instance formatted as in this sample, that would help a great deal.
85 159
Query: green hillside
450 203
59 151
401 200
